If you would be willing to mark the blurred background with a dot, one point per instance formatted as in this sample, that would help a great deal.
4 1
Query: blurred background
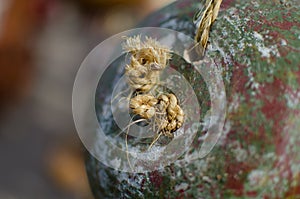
42 44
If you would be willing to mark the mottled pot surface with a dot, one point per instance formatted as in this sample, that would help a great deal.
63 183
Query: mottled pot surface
257 46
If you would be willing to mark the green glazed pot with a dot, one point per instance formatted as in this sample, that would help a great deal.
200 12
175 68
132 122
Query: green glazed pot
257 46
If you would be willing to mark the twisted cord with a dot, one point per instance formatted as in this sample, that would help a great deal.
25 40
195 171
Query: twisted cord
168 114
148 59
208 17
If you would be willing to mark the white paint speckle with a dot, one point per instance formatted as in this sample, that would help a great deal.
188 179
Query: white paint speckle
293 99
258 36
206 179
240 154
255 177
283 42
182 186
265 51
116 162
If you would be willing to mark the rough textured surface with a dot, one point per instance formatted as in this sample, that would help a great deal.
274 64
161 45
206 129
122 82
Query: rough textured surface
257 43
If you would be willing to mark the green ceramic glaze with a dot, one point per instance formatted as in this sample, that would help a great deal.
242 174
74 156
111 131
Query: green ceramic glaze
256 43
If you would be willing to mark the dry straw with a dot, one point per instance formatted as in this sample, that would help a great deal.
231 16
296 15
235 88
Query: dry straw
208 17
147 60
150 102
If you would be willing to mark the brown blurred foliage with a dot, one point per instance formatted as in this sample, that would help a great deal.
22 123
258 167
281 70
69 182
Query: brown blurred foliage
41 45
18 24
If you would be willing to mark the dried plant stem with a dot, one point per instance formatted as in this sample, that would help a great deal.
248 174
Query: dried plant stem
208 17
155 140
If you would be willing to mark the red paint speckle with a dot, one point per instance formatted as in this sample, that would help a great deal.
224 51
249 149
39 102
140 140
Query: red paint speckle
274 106
287 25
239 79
234 180
226 4
251 193
156 179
